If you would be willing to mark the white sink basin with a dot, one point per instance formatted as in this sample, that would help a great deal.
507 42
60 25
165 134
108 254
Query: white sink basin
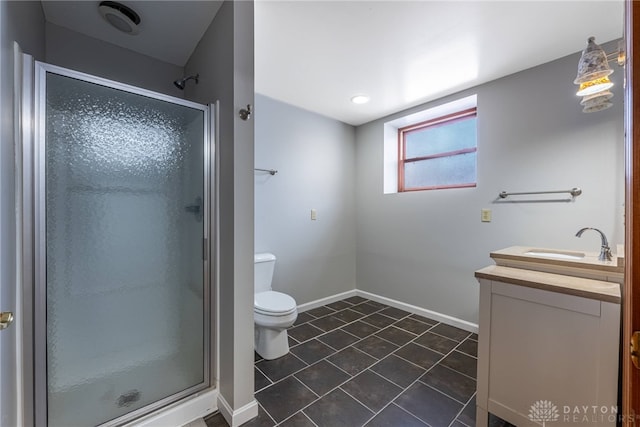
555 254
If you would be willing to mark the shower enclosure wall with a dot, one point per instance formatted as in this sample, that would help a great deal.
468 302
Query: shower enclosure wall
122 301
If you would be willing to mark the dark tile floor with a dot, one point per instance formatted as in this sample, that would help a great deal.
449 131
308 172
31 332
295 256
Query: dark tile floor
357 363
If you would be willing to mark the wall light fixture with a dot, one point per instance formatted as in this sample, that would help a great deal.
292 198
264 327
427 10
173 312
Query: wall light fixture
593 76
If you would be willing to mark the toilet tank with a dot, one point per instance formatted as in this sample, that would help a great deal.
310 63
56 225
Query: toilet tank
263 265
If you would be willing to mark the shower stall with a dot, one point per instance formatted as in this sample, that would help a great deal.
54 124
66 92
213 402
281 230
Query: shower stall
120 217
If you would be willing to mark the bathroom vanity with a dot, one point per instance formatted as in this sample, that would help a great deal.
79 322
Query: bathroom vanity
549 338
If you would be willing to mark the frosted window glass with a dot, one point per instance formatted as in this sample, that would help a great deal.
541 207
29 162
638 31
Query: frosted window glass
447 137
441 171
125 288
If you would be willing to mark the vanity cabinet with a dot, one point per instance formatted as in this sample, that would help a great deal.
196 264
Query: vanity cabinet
548 348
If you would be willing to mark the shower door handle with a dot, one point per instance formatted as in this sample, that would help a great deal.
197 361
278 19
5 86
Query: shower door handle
196 209
6 319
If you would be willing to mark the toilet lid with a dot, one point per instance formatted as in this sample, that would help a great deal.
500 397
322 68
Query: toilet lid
273 302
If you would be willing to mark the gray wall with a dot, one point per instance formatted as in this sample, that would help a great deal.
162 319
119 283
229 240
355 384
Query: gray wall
224 59
315 158
22 22
422 248
79 52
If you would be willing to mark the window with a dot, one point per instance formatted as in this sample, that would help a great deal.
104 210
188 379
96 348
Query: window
438 153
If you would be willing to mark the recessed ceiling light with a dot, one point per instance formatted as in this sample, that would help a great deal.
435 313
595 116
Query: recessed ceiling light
360 99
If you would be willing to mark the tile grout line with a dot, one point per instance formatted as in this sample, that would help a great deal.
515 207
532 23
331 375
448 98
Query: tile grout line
328 361
266 412
399 407
331 330
310 403
355 342
442 392
293 415
286 376
326 358
402 390
418 379
265 375
462 410
324 394
362 318
448 354
301 409
435 389
338 367
378 360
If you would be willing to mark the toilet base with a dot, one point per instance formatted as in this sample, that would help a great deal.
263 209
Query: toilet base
271 343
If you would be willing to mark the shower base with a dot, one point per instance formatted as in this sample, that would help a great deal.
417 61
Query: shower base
101 399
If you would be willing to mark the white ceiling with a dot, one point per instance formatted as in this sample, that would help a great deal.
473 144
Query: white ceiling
318 54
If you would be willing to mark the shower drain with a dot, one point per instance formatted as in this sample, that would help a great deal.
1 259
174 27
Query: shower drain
128 398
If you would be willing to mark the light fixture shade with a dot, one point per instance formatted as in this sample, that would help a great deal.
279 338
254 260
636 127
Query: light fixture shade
596 102
594 86
593 63
596 97
598 106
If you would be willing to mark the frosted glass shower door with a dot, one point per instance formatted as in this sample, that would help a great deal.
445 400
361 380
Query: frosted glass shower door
125 205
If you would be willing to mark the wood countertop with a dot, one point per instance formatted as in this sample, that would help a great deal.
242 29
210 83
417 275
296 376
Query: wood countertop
570 285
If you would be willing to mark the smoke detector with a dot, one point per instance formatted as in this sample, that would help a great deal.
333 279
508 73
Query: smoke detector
120 16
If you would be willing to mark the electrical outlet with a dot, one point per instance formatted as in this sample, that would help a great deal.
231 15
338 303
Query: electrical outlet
314 215
485 215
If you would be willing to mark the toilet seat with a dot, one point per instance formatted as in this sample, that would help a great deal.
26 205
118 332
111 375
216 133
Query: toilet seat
272 303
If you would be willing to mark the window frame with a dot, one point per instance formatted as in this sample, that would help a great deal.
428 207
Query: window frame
438 121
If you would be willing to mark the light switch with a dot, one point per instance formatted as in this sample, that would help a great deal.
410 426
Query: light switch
314 215
485 215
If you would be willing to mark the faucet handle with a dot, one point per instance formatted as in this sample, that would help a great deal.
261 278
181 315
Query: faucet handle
605 254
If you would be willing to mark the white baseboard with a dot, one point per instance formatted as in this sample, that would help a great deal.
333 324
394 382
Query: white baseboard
198 406
324 301
240 415
444 318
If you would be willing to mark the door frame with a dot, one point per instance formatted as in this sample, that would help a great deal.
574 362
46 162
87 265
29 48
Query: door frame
31 247
631 293
11 357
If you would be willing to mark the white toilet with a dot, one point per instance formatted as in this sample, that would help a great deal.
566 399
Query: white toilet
273 312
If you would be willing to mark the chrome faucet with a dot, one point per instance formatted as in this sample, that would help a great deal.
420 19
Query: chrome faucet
605 250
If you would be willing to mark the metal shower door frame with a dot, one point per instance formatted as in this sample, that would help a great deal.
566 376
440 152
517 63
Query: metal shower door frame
33 256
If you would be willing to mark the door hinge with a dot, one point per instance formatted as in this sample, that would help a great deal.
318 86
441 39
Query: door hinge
635 349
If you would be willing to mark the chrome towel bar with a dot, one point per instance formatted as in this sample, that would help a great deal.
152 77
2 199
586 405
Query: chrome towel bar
575 192
271 171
